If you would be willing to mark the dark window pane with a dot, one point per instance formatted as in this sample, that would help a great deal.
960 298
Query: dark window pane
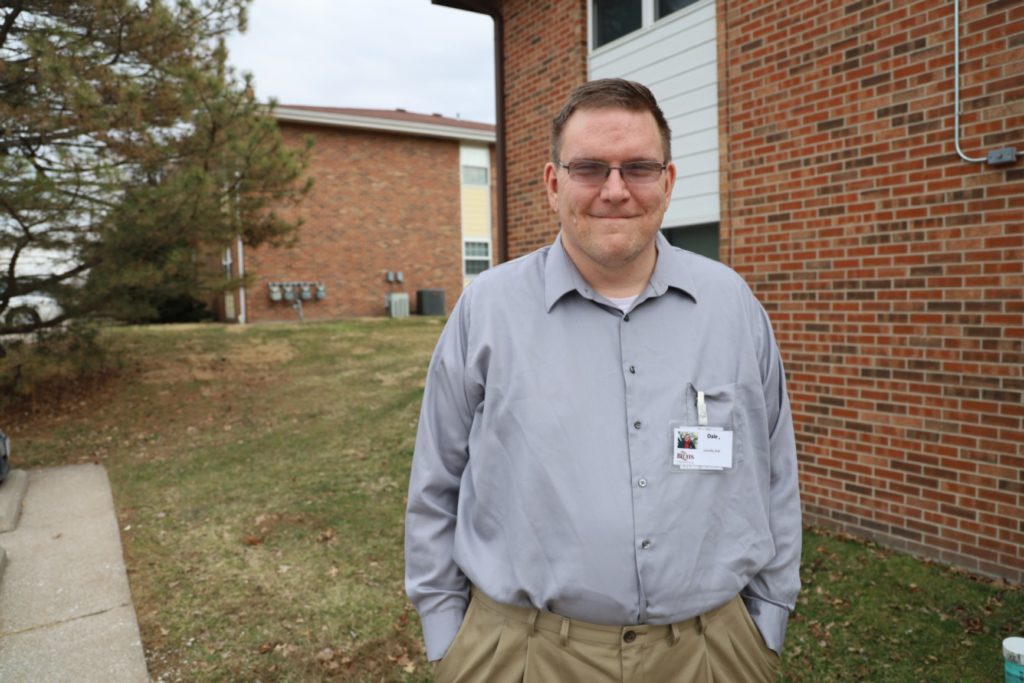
667 7
476 266
478 249
700 239
615 18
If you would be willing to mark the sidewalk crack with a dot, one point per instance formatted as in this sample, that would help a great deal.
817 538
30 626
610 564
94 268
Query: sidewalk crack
51 624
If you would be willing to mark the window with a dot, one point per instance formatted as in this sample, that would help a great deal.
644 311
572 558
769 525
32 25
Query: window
613 19
476 257
474 175
667 7
700 239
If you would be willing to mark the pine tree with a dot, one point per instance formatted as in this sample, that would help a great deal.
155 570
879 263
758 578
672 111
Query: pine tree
130 152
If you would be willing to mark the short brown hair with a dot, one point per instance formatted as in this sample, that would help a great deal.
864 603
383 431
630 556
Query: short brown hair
611 93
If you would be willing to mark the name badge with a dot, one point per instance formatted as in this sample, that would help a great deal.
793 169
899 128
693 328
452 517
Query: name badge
701 448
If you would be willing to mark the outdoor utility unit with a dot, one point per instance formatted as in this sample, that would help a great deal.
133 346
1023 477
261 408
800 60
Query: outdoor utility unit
430 302
397 304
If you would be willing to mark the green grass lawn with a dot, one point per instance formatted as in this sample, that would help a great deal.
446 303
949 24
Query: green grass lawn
260 474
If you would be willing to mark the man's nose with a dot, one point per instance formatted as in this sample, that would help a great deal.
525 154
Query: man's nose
615 187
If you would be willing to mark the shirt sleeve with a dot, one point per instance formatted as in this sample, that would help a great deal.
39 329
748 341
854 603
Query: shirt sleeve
771 594
435 584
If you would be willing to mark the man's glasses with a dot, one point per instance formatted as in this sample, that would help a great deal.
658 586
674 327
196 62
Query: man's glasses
596 172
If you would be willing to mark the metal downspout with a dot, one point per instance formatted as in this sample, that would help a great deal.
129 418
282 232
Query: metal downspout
956 86
241 288
499 138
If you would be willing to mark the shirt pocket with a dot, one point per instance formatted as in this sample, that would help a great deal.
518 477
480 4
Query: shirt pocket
724 412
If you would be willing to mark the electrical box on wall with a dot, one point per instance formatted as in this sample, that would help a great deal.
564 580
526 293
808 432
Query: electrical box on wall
1004 155
302 290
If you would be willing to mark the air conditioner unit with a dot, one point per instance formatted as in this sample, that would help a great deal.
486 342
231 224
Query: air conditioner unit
397 304
430 302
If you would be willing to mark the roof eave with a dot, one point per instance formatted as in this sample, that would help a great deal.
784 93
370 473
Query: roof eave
337 120
482 6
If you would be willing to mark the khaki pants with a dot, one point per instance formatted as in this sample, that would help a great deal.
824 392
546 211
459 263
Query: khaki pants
500 643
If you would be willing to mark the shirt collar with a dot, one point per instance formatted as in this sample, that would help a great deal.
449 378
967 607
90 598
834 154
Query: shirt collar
674 268
562 277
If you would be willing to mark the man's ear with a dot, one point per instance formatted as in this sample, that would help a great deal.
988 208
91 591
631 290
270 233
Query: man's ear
670 177
551 185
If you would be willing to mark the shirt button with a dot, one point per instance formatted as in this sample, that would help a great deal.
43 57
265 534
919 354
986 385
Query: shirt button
625 318
632 369
636 425
645 544
642 483
629 636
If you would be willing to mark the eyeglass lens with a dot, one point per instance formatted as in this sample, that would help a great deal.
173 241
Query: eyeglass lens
595 172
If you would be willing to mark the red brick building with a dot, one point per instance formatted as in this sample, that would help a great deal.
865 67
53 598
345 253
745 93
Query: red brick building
817 145
401 203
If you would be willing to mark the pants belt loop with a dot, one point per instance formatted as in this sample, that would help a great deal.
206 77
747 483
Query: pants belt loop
563 633
700 624
675 633
531 622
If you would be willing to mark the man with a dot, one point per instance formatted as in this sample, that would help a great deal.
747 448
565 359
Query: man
553 533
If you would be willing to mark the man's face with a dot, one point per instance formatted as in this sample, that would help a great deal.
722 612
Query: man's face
613 223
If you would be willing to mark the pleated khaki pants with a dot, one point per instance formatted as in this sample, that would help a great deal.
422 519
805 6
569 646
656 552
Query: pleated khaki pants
504 644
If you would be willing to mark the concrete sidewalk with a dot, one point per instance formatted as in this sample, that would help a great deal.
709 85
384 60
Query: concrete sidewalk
66 611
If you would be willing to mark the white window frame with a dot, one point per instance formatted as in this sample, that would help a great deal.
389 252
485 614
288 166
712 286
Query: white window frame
467 257
647 19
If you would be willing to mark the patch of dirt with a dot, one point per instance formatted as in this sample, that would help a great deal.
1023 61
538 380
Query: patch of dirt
205 367
68 399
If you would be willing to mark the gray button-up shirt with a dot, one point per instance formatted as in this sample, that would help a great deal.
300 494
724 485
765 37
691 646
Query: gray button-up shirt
543 468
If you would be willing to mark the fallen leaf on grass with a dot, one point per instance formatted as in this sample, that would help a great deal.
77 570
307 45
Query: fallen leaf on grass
285 649
253 540
408 666
404 660
974 625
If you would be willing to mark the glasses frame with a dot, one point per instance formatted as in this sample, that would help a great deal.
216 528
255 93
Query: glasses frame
608 168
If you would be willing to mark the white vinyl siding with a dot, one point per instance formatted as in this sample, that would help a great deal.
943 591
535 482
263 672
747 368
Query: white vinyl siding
476 212
676 57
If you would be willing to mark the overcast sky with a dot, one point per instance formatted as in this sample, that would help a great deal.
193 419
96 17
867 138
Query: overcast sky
379 54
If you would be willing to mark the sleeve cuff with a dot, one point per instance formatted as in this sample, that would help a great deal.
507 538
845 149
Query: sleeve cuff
770 619
439 630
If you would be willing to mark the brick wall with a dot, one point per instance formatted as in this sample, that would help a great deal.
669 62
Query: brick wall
381 202
892 269
545 58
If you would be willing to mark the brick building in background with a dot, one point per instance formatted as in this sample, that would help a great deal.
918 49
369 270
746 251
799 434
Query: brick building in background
401 203
817 156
